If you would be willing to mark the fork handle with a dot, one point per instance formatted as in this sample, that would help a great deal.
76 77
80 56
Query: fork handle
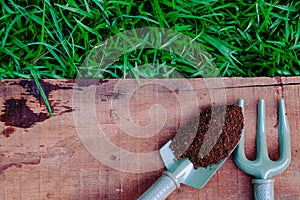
263 189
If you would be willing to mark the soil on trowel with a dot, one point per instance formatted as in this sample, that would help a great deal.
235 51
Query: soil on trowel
16 113
209 137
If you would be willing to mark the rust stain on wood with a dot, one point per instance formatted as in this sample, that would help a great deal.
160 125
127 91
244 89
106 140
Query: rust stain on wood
18 114
18 160
33 90
8 131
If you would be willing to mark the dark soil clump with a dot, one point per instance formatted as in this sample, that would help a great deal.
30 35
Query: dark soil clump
210 137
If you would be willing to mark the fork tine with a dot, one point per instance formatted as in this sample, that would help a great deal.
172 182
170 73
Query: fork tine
284 135
261 138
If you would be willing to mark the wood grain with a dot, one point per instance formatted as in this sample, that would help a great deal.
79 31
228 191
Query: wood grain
103 141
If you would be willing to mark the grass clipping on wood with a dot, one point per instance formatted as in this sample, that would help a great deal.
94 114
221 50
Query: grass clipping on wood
209 137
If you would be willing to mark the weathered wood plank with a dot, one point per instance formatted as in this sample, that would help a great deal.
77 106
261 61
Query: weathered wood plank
52 159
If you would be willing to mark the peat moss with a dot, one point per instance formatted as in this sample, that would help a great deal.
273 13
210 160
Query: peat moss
209 137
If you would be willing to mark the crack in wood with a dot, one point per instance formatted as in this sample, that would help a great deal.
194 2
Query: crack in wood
281 85
66 148
258 85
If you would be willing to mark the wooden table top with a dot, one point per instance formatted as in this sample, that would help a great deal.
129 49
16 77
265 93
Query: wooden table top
103 140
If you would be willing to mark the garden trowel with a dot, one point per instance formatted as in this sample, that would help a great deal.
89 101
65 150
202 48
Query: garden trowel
180 171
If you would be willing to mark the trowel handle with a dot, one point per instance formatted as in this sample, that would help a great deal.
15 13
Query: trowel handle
263 189
161 189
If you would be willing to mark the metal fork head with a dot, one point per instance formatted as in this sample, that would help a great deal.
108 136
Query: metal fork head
263 167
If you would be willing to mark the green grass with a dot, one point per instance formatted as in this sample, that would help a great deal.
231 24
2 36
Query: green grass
52 38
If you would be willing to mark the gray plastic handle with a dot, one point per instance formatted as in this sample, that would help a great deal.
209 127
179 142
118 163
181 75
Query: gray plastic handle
161 189
263 189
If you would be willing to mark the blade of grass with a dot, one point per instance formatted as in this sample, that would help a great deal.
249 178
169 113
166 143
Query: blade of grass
159 14
59 31
41 90
75 10
8 30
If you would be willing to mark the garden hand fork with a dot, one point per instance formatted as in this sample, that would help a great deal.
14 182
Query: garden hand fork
263 169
